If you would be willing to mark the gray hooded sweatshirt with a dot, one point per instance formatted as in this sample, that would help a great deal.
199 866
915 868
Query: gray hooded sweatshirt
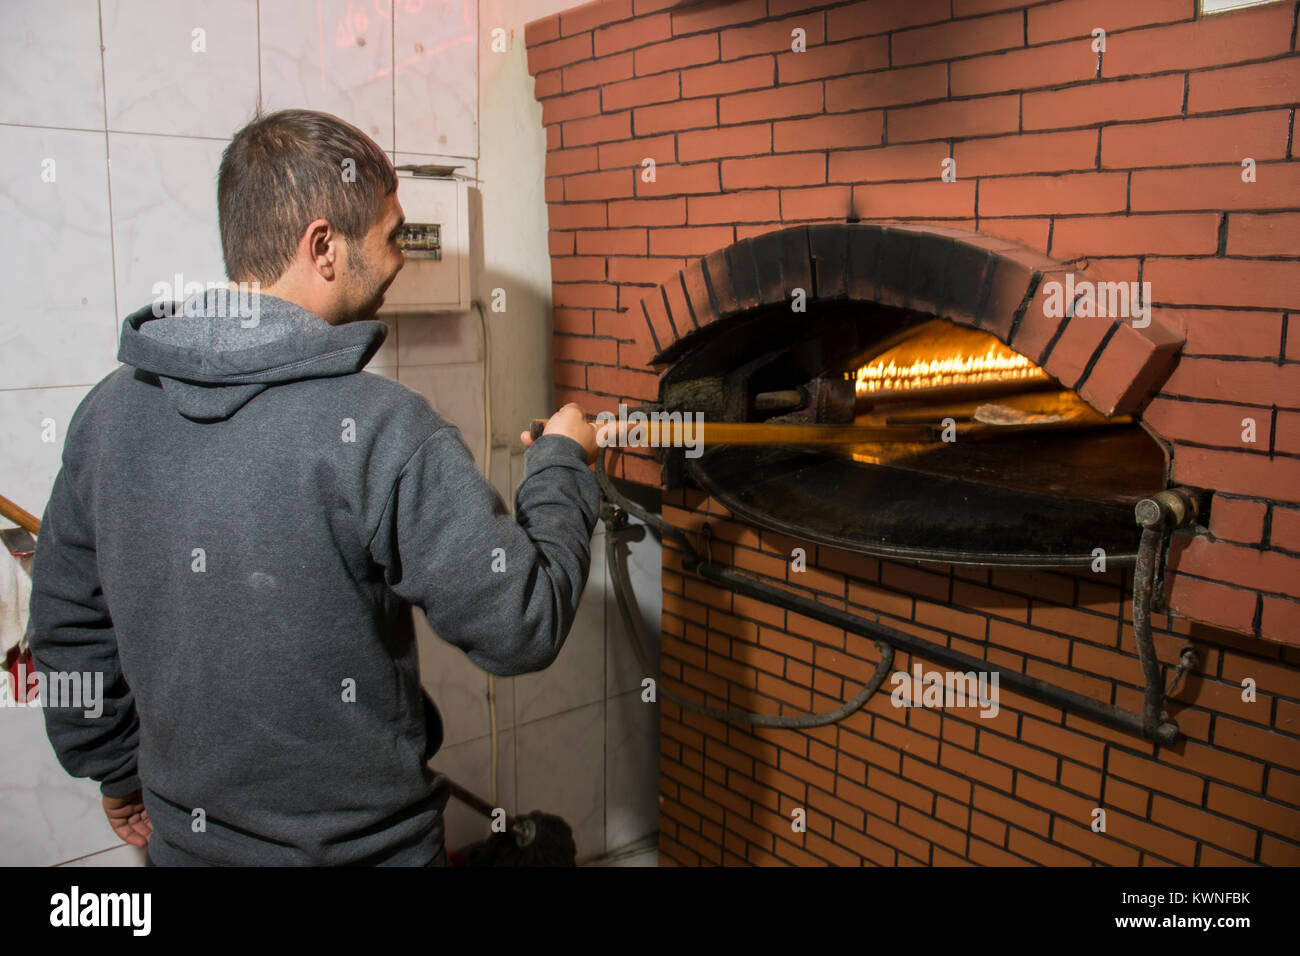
240 527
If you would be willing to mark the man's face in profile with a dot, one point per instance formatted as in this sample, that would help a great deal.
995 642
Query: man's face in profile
374 262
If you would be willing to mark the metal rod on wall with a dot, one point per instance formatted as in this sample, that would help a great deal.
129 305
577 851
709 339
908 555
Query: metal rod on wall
1108 714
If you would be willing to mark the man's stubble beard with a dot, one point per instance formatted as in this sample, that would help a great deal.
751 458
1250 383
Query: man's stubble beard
361 282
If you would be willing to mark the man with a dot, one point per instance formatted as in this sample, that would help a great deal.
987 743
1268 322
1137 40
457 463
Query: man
243 519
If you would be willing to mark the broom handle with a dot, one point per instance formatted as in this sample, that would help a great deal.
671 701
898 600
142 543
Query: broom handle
19 516
477 803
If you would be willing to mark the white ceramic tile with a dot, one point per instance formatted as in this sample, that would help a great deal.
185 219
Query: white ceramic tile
644 566
436 69
59 323
184 68
330 55
386 371
631 770
438 338
459 687
30 462
164 214
469 765
456 393
46 816
560 769
49 64
124 855
578 675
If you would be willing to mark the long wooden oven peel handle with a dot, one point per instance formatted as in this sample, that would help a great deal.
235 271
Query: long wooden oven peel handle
758 433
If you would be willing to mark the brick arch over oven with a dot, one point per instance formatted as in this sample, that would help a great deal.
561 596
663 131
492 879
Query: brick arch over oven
969 278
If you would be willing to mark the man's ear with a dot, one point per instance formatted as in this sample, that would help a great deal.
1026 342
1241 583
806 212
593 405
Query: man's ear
321 244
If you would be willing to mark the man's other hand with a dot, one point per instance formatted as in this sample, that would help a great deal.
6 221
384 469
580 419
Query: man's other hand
128 818
571 422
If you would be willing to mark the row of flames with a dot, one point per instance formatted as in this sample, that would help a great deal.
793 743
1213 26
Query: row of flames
998 364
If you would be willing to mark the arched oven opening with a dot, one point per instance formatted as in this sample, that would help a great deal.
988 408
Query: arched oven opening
986 457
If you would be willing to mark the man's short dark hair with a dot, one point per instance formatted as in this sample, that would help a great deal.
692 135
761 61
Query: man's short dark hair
284 170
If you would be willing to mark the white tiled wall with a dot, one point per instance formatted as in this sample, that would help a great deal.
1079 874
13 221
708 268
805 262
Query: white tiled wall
181 68
334 56
164 196
108 164
56 258
50 69
432 113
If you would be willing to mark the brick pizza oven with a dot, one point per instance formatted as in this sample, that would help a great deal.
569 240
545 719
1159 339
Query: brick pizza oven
794 214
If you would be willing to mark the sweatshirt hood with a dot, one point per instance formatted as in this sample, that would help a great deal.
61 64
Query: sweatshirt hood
215 351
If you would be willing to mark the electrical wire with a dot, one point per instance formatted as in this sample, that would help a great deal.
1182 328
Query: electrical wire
487 473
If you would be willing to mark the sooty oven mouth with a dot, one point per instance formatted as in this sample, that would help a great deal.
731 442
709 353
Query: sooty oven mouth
1019 471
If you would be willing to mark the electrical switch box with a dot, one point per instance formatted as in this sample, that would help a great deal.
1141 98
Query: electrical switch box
435 241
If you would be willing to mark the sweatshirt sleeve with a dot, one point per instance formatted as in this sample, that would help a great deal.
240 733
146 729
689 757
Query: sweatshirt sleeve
94 732
503 589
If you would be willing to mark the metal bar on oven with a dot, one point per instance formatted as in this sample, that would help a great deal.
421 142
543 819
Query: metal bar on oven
1108 714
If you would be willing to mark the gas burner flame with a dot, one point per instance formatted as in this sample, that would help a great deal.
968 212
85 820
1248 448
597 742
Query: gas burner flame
997 364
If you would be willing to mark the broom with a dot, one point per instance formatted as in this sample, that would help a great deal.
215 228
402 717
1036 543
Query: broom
534 839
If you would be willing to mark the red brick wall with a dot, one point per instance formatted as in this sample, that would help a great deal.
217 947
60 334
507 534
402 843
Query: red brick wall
1130 166
892 785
